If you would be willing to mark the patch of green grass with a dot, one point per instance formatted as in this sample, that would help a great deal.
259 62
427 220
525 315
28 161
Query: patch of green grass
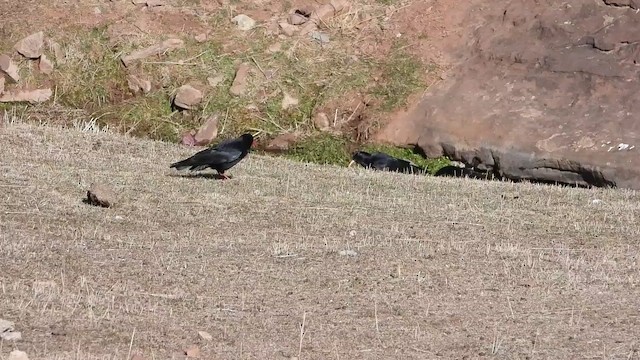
432 165
143 116
93 75
325 148
400 78
321 148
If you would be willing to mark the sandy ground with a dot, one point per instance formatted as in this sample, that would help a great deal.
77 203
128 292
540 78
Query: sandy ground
291 260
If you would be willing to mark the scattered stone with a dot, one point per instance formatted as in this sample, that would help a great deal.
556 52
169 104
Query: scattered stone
18 355
205 335
207 132
201 38
193 352
9 67
304 11
348 253
274 48
57 51
287 28
240 81
100 195
188 138
31 96
323 13
272 28
154 3
215 80
320 37
187 97
282 142
44 65
7 331
297 19
167 45
243 22
136 84
1 84
321 120
288 101
31 46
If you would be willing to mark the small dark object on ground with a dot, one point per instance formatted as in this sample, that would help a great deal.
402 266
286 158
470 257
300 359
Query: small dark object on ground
99 195
304 13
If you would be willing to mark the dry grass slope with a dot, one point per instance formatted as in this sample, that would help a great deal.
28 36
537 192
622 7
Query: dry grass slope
447 268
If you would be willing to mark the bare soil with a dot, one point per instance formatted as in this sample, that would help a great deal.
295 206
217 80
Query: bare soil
290 260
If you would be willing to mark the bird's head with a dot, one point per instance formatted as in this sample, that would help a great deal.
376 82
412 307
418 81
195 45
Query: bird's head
361 158
247 140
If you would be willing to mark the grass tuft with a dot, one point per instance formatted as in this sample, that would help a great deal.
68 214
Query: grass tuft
401 76
322 148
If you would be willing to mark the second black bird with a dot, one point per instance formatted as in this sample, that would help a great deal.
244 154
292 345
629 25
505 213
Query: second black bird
384 162
221 157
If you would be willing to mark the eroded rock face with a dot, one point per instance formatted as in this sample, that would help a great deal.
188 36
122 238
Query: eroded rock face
546 91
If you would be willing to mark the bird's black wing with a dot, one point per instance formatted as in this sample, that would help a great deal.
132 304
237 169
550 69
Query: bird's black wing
387 162
208 157
230 145
382 161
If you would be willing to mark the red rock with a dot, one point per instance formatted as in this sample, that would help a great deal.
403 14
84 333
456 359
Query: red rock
30 96
544 93
207 132
31 46
188 138
44 65
8 67
101 195
187 97
282 142
240 82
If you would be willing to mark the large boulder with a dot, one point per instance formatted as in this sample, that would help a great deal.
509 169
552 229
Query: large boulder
547 91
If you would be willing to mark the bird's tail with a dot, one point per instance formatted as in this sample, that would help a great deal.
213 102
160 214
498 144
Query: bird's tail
181 165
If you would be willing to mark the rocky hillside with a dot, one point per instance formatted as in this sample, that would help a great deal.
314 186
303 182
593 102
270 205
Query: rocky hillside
294 72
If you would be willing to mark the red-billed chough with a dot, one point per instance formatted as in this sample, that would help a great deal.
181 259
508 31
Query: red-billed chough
384 162
221 157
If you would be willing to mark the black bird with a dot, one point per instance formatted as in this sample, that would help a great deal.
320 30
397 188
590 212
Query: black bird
221 157
382 161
